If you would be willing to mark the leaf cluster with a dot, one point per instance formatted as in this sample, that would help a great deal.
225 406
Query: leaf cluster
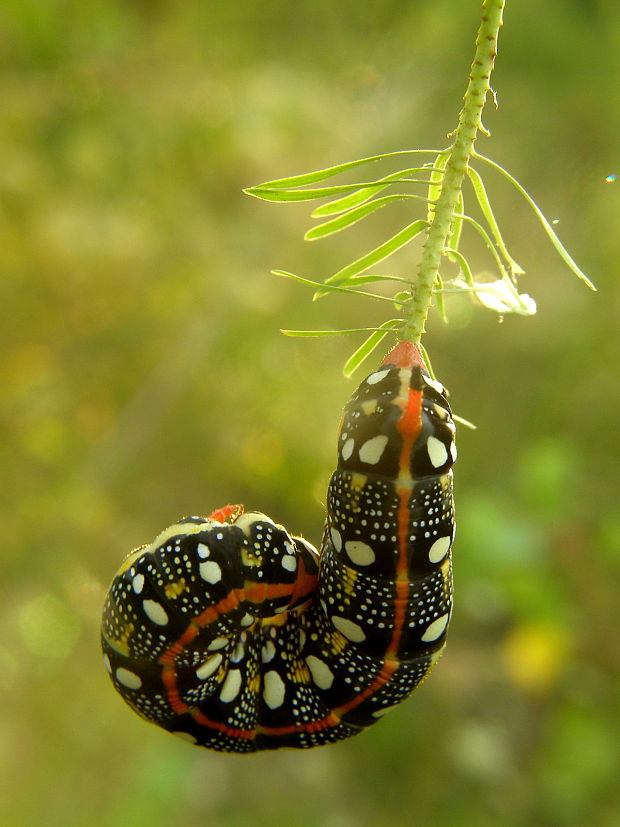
349 204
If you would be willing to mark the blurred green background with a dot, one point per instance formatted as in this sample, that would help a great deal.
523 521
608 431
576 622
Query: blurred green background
144 378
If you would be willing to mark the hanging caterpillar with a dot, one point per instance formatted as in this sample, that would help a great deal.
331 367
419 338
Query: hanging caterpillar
235 635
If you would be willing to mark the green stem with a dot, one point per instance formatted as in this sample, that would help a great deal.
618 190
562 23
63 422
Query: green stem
470 121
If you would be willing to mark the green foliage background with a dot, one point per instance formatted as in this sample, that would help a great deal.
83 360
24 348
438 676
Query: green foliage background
143 377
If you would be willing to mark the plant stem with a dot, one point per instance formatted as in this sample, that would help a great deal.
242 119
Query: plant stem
470 121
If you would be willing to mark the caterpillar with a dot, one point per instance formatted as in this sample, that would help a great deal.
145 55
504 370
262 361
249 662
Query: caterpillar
232 633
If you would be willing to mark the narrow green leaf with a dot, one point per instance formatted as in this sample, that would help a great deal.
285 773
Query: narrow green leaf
441 306
362 195
370 277
335 287
330 172
319 333
460 259
427 360
561 250
351 217
367 347
275 194
396 242
487 240
485 205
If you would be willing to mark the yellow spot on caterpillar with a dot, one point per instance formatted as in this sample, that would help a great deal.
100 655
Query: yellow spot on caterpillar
358 481
254 683
121 644
446 481
172 590
369 407
251 557
349 581
275 620
337 642
446 568
300 673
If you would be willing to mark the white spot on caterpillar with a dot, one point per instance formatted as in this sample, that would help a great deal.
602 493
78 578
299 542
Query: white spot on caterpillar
439 549
347 448
372 450
376 377
433 383
322 675
359 553
453 451
436 452
217 643
289 563
336 539
128 679
273 689
211 665
155 612
238 653
436 629
267 651
203 551
107 664
210 571
231 686
349 629
138 583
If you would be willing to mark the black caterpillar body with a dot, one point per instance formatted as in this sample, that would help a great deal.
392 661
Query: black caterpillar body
231 633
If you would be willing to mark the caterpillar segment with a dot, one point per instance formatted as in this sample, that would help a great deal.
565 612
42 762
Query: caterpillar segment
238 636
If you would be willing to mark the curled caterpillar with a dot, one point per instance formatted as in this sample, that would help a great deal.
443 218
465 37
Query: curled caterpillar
235 635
